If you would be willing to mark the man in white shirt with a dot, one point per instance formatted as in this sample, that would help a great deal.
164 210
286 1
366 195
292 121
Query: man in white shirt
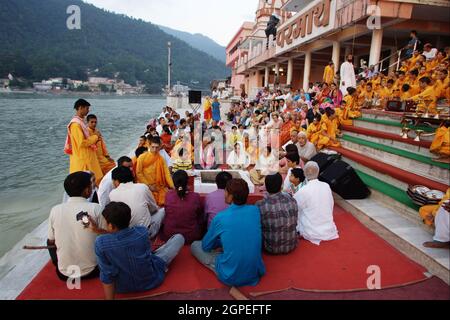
315 203
68 230
159 127
348 78
144 210
306 149
106 186
429 52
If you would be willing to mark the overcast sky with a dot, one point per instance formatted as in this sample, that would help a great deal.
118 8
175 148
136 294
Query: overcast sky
217 19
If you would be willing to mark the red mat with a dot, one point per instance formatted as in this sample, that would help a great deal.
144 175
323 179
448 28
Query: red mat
339 265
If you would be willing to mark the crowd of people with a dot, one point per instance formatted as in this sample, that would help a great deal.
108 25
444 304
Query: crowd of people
116 210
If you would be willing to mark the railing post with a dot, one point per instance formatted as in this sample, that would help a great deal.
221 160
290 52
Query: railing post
399 58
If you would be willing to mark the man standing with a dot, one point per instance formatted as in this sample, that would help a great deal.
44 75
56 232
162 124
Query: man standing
81 145
315 203
413 44
106 163
279 215
348 78
328 73
152 171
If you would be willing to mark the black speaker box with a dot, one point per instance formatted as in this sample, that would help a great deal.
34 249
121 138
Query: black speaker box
325 160
344 180
195 97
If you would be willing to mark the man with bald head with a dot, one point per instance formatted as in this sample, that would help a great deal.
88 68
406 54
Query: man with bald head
315 204
306 149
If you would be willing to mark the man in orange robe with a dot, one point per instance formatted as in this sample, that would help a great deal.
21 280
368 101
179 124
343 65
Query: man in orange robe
152 170
81 145
105 161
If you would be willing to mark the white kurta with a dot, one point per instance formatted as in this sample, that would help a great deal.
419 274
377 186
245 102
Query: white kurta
347 76
315 216
442 222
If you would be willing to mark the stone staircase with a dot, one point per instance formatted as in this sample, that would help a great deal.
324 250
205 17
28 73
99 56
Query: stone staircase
388 164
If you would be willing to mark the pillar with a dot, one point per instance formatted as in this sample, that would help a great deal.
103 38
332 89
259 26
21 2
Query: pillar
290 71
266 77
375 48
307 70
336 54
277 74
250 50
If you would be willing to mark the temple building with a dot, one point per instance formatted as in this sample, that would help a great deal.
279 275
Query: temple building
313 32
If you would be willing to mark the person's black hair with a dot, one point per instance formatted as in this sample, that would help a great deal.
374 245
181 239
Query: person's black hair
414 72
91 116
427 80
400 72
156 140
171 120
222 179
180 181
369 84
299 174
390 81
318 117
166 129
140 151
118 214
76 183
273 183
238 188
122 160
241 126
291 148
293 157
269 148
282 100
405 87
81 103
351 90
414 31
329 112
122 174
233 127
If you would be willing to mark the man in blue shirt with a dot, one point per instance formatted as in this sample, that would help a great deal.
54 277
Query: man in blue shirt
232 247
124 256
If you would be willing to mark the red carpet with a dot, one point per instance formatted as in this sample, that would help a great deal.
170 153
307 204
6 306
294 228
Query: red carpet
338 265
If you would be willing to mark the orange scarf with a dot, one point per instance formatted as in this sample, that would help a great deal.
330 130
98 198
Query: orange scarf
68 145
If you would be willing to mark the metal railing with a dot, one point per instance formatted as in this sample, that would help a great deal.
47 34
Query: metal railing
398 53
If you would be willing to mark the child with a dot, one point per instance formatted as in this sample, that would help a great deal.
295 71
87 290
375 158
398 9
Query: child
297 179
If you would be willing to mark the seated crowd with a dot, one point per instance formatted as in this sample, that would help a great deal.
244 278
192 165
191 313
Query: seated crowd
108 232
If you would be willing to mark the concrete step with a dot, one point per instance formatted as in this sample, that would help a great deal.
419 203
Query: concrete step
413 162
404 234
390 126
389 139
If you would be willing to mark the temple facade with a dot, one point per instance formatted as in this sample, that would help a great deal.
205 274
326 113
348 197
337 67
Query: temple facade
313 32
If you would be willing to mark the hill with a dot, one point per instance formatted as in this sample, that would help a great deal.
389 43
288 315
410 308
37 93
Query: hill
36 44
199 42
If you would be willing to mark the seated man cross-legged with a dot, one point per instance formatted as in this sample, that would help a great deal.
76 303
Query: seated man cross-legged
126 261
232 247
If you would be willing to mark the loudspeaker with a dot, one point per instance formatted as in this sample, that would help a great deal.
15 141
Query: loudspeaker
343 180
324 160
195 97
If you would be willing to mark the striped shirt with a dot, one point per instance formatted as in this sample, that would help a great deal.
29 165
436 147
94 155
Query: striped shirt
279 216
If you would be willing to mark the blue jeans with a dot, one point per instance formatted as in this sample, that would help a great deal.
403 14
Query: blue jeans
170 249
206 258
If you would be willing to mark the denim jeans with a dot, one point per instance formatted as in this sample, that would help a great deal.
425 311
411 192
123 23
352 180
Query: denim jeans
206 258
170 249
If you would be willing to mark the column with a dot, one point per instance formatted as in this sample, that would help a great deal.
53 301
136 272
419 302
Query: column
375 48
307 70
290 71
336 54
277 74
393 60
250 50
266 77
